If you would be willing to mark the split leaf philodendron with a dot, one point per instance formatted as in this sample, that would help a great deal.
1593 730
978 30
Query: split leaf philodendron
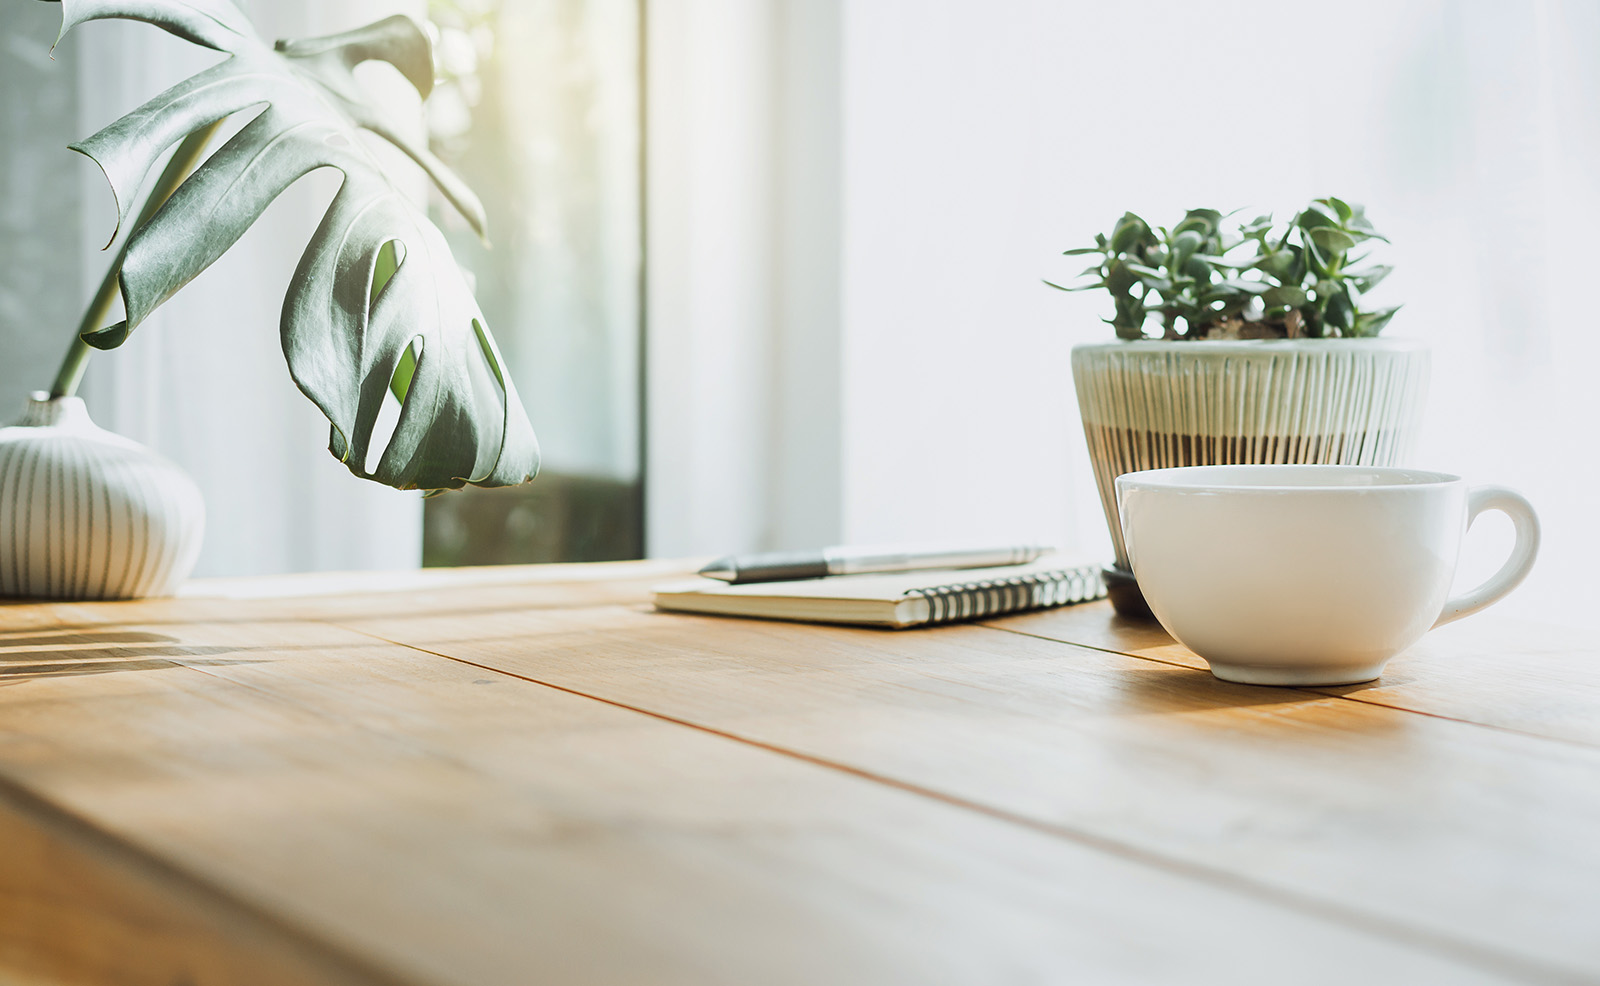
1300 282
378 303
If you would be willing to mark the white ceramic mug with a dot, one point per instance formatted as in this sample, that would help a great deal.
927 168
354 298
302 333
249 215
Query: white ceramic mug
1307 574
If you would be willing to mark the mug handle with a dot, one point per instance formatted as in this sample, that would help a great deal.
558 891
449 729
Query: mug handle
1513 505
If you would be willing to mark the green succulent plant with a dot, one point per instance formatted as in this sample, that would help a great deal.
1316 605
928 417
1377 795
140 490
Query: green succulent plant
377 305
1197 279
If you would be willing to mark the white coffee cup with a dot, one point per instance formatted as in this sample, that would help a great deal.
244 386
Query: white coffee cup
1305 574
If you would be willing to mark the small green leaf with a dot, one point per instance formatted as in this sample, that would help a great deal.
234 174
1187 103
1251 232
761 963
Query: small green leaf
1314 217
1371 277
1358 220
1333 240
1081 251
1340 313
1256 227
1184 244
1222 298
1130 231
1197 268
1284 296
1202 221
1279 264
1371 323
1312 258
1219 261
1248 287
1119 279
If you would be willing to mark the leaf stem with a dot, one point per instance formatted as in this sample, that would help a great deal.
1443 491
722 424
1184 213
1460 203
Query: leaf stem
179 166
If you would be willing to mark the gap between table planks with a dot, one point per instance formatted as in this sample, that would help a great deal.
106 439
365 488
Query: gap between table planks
290 801
1443 833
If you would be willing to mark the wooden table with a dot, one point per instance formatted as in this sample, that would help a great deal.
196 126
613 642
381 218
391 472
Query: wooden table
527 776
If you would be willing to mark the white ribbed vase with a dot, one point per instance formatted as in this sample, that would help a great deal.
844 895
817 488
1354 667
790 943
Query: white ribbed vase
86 514
1154 404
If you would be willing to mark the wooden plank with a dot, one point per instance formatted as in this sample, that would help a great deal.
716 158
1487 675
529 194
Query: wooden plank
1508 674
447 824
1448 834
76 906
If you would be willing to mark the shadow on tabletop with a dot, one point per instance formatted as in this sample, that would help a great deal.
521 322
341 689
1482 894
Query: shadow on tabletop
15 639
1174 689
29 654
12 674
33 654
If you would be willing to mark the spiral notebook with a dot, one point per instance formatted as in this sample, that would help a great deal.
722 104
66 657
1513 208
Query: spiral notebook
901 599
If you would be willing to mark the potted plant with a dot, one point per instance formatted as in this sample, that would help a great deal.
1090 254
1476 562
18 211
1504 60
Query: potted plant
378 310
1264 351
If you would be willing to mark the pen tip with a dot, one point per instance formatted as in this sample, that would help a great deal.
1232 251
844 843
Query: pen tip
722 569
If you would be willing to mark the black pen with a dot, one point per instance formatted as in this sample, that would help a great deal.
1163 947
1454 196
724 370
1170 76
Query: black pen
781 566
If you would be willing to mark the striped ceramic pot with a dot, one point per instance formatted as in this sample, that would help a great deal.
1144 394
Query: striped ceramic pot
1153 404
85 514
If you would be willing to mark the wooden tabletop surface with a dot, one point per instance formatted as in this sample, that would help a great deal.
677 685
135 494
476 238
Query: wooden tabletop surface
526 775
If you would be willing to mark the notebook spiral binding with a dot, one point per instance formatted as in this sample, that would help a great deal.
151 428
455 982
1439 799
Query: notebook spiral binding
975 600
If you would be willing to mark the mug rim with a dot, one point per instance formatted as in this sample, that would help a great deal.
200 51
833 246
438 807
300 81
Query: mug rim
1231 478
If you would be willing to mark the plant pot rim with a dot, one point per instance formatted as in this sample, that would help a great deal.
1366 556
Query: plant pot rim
1386 344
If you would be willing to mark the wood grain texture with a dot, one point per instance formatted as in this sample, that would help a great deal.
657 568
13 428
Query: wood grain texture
434 822
1509 674
79 906
527 776
1467 840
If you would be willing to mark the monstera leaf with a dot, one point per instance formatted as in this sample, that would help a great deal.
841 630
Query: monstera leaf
378 304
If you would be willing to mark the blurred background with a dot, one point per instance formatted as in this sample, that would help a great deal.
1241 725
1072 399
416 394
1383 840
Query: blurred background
768 272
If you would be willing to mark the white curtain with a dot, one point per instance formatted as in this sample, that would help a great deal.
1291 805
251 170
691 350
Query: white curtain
203 381
40 252
744 374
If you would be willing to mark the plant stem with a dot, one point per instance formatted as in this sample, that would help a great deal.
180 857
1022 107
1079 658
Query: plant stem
182 162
